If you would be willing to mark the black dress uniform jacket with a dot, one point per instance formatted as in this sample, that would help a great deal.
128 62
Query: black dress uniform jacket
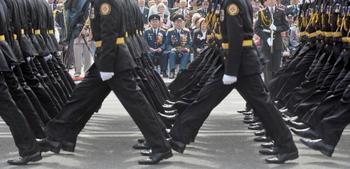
107 28
240 25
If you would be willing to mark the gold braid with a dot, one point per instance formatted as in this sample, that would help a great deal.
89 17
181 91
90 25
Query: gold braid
266 21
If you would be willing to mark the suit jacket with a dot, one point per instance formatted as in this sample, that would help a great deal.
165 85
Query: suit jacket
262 27
145 13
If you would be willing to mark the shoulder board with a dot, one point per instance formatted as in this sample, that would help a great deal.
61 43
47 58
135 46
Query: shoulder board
147 29
162 29
186 29
289 6
171 29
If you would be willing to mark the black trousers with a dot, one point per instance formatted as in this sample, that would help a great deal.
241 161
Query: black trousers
32 96
42 94
298 74
91 92
24 104
252 90
334 124
13 117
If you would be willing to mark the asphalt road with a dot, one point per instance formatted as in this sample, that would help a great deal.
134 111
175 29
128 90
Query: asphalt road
223 143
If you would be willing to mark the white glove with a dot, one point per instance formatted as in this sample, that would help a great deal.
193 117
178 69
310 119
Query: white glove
229 80
48 57
270 41
106 75
273 27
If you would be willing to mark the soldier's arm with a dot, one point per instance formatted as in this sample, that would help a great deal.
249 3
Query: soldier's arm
235 37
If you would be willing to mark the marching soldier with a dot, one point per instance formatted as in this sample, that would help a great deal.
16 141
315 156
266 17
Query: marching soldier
155 37
241 70
112 71
178 44
269 26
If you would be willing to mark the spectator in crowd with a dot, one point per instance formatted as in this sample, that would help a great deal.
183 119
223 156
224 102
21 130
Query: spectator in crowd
200 37
194 5
59 18
52 4
166 3
144 10
150 4
164 17
293 8
183 9
178 43
155 37
204 8
293 40
171 3
82 52
154 9
195 24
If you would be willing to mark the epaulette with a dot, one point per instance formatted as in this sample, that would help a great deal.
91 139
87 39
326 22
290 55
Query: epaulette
149 28
289 6
162 29
186 29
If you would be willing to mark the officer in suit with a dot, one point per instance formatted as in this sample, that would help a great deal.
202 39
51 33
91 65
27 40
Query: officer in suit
155 37
241 70
269 26
113 70
178 44
144 10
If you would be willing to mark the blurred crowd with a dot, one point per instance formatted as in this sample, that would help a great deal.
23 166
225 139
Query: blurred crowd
176 32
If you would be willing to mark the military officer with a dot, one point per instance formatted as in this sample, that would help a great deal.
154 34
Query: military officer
112 71
269 26
155 37
241 70
178 44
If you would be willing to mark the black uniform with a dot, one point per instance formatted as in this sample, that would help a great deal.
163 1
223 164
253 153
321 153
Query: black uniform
112 55
21 132
271 56
239 59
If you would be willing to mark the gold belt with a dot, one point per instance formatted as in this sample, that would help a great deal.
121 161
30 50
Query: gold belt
2 38
245 43
118 41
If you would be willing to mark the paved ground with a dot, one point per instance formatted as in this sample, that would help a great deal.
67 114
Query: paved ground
223 143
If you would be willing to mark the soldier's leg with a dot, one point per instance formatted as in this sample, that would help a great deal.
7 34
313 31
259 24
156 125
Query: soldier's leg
23 137
185 59
39 90
78 64
189 122
85 99
130 95
32 97
256 95
25 105
172 61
